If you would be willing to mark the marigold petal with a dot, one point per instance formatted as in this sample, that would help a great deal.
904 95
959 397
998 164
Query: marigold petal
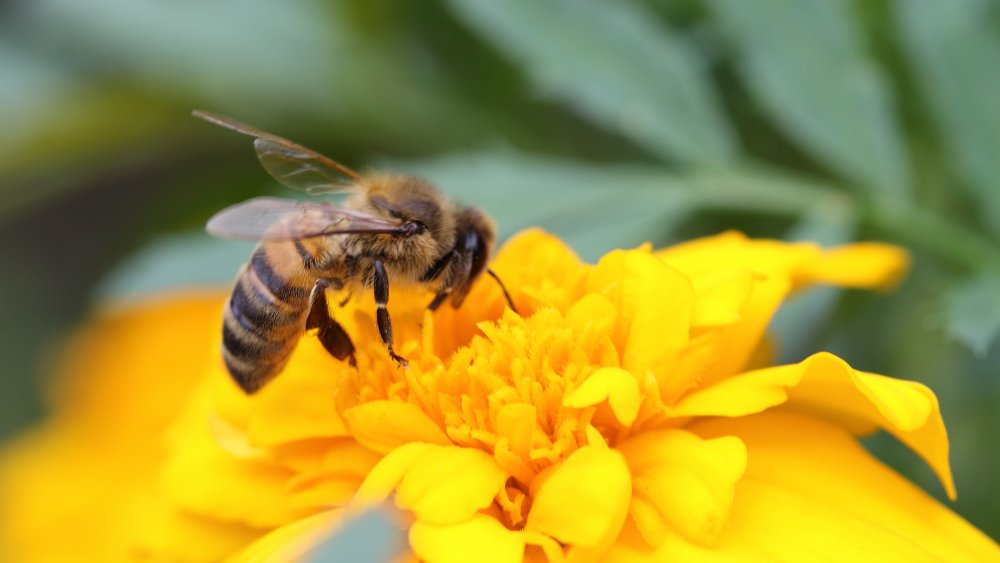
827 385
84 475
655 305
811 492
161 532
309 383
778 268
743 394
719 299
206 479
809 480
863 265
479 538
906 409
385 425
553 279
449 484
688 480
583 500
616 385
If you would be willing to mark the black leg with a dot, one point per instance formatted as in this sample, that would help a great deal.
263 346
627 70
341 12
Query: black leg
503 288
333 336
380 281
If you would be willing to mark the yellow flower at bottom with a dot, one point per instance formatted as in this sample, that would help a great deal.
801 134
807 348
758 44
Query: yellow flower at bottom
628 412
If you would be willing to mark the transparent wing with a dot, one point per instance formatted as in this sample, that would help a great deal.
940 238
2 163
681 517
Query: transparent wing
269 218
290 163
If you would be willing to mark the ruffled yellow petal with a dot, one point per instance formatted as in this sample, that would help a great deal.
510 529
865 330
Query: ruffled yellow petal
811 492
906 409
742 394
828 386
383 478
449 484
584 500
385 425
618 386
777 269
647 294
684 481
558 282
439 484
480 538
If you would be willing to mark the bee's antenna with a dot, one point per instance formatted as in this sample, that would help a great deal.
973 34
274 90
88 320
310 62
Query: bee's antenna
506 295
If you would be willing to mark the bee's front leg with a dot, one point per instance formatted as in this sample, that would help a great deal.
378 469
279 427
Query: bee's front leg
380 281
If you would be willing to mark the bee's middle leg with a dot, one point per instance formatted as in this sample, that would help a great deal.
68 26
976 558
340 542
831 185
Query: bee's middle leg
380 282
333 336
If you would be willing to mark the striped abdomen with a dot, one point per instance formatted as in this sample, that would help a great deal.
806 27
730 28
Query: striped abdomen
266 314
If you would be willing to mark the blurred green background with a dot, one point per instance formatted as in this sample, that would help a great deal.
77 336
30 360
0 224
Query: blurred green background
609 123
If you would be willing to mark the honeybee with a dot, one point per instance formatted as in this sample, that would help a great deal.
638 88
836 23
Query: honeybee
392 228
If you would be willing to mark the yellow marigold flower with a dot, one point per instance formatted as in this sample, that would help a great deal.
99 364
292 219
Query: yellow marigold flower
629 413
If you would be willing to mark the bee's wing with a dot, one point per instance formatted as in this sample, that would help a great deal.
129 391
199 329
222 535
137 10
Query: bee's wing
290 163
269 218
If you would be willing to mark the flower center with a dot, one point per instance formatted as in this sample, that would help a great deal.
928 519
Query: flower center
502 391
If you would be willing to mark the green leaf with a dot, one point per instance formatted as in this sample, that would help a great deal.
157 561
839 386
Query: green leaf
954 47
614 64
972 312
230 52
806 64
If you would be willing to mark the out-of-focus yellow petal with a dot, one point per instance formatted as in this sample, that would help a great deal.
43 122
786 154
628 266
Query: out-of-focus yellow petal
616 385
77 488
777 269
448 484
584 500
655 305
293 542
162 532
385 425
125 366
686 480
863 264
309 384
200 476
480 538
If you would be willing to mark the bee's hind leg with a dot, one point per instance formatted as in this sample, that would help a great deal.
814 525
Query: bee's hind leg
333 336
